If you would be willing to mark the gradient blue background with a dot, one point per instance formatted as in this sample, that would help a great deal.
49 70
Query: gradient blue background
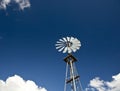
27 40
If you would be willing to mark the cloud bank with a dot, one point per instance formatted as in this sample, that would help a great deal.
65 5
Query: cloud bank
21 3
16 83
97 84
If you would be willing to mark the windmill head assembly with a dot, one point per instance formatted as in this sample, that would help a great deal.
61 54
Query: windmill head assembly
68 45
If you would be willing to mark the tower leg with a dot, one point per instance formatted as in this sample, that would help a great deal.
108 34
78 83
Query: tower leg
66 76
74 86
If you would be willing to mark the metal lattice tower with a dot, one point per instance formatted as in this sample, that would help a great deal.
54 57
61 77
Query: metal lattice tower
72 79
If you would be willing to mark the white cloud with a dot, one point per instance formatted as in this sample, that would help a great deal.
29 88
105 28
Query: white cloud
4 3
16 83
21 3
97 84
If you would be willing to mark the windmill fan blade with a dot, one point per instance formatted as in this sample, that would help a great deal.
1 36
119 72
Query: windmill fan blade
76 43
65 39
75 40
71 39
73 48
65 50
61 49
68 38
58 44
69 50
58 47
61 40
76 47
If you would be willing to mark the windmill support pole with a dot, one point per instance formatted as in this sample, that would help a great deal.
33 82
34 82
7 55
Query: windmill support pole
74 86
66 76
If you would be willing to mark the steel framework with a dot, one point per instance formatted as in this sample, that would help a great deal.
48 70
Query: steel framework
72 79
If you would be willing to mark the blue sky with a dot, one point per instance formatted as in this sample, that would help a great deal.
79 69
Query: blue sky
28 37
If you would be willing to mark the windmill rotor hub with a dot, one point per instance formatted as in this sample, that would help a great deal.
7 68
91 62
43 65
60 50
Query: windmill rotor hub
69 44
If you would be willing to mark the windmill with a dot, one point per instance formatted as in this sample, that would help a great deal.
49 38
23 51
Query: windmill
72 79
